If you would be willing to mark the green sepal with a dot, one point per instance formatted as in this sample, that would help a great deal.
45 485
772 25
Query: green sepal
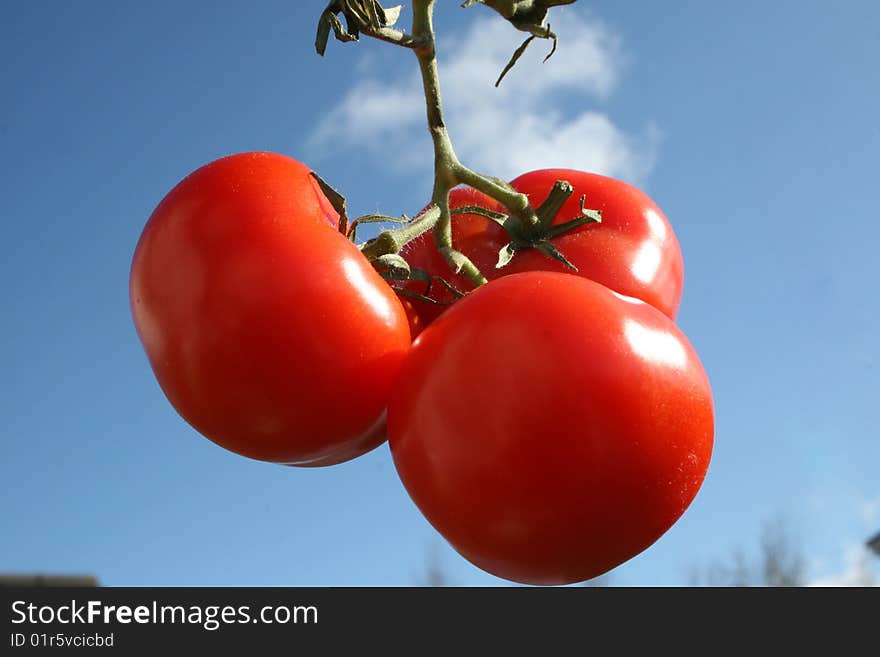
587 216
548 249
498 217
416 274
401 291
337 200
458 294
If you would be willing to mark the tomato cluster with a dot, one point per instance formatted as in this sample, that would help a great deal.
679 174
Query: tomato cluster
550 424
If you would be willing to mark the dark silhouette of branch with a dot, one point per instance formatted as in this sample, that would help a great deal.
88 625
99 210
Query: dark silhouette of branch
779 563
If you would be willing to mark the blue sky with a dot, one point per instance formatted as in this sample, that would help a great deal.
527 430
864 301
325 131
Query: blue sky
754 126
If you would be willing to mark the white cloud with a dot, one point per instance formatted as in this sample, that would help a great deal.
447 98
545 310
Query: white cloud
370 112
858 569
588 60
541 116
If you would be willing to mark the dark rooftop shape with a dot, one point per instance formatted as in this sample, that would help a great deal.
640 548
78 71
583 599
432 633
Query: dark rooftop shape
41 580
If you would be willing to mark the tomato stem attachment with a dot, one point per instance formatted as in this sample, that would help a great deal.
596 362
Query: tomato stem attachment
369 18
526 227
539 236
559 194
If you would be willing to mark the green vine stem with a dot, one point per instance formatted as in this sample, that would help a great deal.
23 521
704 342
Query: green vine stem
392 241
449 172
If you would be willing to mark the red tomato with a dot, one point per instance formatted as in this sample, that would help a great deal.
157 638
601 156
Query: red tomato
266 328
633 251
416 324
551 429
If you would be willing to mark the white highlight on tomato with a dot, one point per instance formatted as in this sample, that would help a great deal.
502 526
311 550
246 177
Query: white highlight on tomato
647 262
655 346
656 223
354 273
624 297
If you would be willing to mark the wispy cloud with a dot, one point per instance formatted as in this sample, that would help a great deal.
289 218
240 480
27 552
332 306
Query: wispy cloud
543 115
857 570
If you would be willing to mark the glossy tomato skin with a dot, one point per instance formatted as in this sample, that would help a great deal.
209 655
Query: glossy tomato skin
551 429
633 251
416 324
267 330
